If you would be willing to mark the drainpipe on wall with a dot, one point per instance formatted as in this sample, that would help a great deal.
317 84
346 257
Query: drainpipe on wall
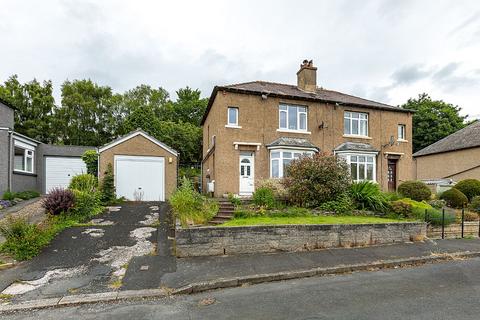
9 162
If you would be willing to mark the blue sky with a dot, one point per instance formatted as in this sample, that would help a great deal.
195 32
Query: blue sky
383 50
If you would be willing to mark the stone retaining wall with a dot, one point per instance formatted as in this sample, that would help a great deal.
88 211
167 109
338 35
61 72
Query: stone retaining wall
208 241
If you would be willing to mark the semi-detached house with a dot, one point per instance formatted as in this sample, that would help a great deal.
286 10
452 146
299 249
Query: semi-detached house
253 130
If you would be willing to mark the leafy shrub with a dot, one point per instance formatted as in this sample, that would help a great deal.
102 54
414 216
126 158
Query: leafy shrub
87 203
311 181
108 186
23 240
59 200
401 207
469 187
24 195
190 206
454 198
234 199
84 182
264 197
342 205
276 185
415 190
434 217
437 203
367 195
475 204
90 157
392 196
8 195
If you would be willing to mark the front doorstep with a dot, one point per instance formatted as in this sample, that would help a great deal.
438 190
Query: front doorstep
212 241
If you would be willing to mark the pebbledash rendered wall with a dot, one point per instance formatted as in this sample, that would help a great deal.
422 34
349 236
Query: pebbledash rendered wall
208 241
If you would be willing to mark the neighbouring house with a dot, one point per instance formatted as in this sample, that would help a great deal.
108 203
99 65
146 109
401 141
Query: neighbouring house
28 164
253 130
145 169
453 158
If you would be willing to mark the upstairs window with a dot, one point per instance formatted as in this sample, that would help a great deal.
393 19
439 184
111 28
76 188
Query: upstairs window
355 123
23 160
232 118
402 132
292 117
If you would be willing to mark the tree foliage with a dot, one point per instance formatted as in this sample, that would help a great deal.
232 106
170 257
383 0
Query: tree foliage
433 120
34 105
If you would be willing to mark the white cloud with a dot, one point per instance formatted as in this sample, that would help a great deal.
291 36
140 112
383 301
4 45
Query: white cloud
388 50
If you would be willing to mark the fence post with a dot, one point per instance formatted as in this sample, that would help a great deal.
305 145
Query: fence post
463 218
443 223
479 225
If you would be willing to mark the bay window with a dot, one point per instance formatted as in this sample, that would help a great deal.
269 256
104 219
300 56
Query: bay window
280 159
292 117
355 123
362 166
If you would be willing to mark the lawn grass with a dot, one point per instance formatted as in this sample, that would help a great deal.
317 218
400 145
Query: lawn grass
309 220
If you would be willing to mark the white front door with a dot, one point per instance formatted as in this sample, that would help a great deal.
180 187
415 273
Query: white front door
140 178
247 173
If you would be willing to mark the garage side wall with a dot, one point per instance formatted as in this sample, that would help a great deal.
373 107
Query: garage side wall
140 146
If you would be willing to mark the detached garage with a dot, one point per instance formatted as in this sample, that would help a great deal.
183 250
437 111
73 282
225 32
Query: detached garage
145 169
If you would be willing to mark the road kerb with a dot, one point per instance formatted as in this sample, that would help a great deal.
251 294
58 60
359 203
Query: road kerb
229 282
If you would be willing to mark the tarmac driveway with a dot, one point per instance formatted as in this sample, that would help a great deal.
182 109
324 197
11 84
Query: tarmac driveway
125 248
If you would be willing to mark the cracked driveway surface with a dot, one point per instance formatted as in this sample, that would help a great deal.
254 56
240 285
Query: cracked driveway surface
125 248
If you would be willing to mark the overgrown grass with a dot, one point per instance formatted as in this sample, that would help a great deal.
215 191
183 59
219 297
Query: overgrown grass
267 220
24 241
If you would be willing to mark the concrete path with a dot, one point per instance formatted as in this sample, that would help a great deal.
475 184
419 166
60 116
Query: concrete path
106 256
435 291
202 269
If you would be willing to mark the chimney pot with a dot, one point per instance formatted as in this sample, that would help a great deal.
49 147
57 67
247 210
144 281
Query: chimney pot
307 76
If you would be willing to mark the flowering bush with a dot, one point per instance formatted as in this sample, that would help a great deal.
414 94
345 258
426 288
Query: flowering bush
5 204
311 181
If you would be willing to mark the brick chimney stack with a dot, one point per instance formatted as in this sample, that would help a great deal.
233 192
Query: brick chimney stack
307 76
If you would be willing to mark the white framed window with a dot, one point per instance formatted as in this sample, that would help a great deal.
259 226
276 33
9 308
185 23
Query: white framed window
281 158
402 132
232 116
362 166
355 123
23 159
292 117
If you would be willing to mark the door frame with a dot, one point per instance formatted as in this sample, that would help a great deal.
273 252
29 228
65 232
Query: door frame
242 156
392 162
140 159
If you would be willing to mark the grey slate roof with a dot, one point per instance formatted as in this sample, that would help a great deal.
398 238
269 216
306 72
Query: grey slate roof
355 146
292 142
288 91
468 137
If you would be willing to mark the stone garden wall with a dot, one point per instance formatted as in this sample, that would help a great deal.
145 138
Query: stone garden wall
208 241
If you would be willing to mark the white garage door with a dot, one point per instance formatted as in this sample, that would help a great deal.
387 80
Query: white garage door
60 170
140 178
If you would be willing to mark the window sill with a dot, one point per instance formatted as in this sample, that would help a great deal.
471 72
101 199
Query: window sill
24 173
293 131
357 136
402 141
233 126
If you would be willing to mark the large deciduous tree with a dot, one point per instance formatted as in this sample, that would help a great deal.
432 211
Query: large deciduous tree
433 120
89 114
34 105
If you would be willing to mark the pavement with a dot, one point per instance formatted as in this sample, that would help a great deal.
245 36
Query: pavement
433 291
107 255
